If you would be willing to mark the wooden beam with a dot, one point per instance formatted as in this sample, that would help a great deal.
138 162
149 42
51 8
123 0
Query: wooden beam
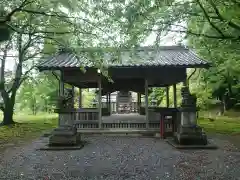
167 96
175 95
79 76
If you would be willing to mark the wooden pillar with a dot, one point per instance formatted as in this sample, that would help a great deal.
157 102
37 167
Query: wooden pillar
73 100
146 103
117 103
106 103
80 98
109 103
167 96
61 93
139 101
100 102
185 82
61 85
175 95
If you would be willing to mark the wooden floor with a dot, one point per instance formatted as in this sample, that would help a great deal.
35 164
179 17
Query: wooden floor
124 118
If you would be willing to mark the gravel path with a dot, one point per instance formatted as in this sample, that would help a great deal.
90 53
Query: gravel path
121 158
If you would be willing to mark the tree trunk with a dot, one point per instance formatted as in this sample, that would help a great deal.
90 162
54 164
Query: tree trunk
222 109
8 113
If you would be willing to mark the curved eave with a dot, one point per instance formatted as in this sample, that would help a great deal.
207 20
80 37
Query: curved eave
206 66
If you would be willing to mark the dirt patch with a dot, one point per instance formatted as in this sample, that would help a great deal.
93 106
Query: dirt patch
233 140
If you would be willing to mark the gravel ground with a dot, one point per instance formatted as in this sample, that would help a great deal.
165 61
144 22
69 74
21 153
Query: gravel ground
121 158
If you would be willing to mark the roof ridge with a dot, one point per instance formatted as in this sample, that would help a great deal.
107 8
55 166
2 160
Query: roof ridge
175 47
139 48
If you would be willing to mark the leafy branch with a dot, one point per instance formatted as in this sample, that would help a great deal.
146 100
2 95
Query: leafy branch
209 20
9 15
229 22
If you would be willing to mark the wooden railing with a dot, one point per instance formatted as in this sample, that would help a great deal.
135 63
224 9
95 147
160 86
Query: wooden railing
85 114
124 125
162 120
71 116
90 124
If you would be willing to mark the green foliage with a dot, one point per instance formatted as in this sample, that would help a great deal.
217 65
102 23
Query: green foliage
222 80
157 95
88 98
38 94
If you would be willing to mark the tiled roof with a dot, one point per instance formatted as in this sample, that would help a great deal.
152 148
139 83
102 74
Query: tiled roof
143 56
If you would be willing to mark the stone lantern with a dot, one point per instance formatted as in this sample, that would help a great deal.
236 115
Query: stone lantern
189 133
94 103
153 103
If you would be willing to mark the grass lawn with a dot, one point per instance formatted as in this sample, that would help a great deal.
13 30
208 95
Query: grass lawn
27 127
227 124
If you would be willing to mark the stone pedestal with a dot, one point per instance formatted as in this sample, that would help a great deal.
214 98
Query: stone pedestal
189 133
64 136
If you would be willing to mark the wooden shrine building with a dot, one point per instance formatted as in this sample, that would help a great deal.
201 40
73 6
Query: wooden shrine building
136 70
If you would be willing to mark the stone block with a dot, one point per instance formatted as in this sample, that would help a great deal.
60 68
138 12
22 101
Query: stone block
190 130
62 140
64 135
65 128
189 135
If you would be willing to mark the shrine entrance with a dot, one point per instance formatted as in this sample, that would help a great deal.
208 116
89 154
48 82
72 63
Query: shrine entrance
162 67
124 102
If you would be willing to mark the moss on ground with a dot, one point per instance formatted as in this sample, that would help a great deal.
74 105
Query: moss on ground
27 127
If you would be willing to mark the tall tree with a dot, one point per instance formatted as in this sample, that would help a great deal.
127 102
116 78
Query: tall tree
138 19
35 25
224 54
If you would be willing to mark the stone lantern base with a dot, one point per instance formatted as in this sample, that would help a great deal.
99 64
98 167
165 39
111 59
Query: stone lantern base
190 135
64 136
